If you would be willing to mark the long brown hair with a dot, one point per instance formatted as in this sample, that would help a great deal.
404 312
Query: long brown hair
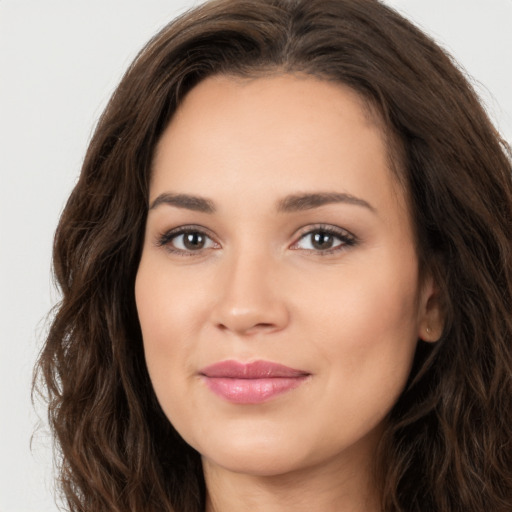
448 442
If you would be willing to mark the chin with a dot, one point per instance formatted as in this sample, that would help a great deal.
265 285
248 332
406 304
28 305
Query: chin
263 456
255 464
278 452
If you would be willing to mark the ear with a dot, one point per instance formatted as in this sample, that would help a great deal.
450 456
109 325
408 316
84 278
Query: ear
430 312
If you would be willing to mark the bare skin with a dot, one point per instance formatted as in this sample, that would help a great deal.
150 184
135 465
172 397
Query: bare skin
277 232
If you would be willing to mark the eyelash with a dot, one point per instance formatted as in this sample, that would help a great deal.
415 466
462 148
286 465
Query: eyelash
346 238
165 239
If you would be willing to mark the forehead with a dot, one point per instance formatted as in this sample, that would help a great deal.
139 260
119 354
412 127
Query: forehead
219 91
283 130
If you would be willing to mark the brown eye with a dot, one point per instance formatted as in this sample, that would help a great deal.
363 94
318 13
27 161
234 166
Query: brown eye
322 240
193 241
325 240
186 241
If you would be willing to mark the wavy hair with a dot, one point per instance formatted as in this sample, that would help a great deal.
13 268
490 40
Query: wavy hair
448 441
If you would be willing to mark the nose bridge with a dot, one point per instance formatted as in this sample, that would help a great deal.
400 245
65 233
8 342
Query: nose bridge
249 300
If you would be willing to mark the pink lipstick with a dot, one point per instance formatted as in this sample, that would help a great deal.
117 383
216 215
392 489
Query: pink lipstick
251 383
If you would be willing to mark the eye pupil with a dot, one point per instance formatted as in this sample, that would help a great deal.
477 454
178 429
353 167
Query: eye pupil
193 241
322 240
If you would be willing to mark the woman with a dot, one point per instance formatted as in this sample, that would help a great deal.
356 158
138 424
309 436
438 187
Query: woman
286 275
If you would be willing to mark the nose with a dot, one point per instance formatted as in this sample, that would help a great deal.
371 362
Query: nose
251 299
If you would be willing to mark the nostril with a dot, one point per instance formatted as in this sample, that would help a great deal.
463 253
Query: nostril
264 316
247 328
264 326
261 327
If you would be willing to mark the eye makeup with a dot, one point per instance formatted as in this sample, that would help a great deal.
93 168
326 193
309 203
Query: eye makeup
321 239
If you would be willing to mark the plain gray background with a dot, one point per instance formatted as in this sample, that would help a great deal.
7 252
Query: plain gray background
59 62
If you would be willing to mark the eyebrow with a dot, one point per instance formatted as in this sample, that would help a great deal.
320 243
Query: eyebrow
194 203
300 202
291 203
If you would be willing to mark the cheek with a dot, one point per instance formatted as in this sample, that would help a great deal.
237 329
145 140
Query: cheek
367 329
172 306
165 304
372 300
163 313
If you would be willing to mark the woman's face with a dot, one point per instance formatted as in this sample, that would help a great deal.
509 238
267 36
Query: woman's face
278 234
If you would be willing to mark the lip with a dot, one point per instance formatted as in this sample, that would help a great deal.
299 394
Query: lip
251 383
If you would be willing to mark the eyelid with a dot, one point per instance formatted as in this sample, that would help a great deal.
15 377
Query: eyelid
164 238
347 238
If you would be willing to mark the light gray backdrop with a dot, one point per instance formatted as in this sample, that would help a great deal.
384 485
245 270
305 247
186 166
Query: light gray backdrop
59 63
